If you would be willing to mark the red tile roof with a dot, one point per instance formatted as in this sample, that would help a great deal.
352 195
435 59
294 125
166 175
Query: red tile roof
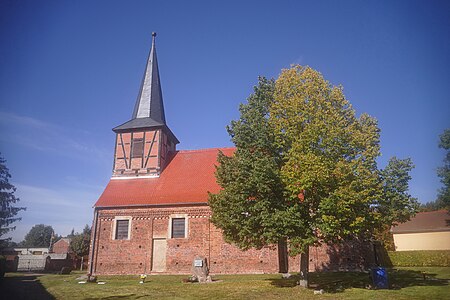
431 221
186 180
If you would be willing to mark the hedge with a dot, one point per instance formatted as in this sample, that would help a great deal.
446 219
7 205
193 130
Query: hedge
420 258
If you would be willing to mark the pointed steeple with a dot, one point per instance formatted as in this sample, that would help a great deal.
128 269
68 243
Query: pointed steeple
149 108
149 103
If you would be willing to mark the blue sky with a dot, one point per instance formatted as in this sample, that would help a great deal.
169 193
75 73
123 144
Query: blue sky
70 71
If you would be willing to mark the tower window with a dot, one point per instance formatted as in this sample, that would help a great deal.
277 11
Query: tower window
137 148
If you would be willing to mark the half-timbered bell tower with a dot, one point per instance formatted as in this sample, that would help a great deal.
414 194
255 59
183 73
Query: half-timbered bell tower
144 144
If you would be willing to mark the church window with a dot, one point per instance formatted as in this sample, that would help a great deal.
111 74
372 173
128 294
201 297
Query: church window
178 228
137 148
122 228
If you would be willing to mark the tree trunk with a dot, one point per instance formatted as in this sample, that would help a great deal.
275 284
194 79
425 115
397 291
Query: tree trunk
304 268
283 266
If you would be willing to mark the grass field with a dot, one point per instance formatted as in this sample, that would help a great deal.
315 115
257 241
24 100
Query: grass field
408 283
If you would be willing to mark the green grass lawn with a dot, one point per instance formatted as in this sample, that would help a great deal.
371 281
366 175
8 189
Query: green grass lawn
408 283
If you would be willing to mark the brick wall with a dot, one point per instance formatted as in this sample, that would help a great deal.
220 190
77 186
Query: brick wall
61 246
135 255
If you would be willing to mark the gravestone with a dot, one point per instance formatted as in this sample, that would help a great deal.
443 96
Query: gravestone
200 269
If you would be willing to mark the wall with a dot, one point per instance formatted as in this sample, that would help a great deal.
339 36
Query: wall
148 163
61 247
422 241
12 262
32 262
134 256
155 153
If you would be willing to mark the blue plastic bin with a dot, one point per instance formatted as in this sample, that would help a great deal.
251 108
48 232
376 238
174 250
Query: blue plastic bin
380 278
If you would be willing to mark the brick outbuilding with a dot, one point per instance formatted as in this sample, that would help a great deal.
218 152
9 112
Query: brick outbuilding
62 246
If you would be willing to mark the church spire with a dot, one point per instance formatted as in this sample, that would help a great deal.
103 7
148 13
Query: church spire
145 144
149 103
149 108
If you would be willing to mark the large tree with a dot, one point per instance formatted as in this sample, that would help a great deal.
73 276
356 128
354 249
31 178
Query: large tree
39 236
246 208
304 169
444 171
329 161
8 211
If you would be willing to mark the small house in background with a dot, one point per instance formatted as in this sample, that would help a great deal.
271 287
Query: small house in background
426 231
62 246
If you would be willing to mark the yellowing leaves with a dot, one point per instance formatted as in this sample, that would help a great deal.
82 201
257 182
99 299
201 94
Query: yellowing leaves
327 151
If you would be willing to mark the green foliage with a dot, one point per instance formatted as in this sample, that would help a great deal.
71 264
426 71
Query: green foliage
329 159
248 207
423 258
72 233
38 236
56 237
384 235
305 170
8 212
396 205
80 242
444 171
433 205
8 244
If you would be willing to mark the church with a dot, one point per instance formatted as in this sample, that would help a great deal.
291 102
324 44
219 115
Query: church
153 216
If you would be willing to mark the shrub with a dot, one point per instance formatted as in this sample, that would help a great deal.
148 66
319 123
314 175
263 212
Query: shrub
420 258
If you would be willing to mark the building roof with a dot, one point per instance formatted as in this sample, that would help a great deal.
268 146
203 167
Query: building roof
143 124
432 221
187 179
149 108
66 240
138 124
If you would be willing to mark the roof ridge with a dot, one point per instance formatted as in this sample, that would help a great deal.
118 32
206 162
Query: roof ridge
205 149
432 211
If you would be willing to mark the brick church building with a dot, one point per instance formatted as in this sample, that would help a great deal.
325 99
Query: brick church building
153 216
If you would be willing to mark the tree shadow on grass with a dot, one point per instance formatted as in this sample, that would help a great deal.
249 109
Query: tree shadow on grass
336 282
406 278
26 286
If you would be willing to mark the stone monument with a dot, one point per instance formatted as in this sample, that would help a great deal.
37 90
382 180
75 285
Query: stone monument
200 269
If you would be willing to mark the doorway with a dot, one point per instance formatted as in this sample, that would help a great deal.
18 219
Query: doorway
159 255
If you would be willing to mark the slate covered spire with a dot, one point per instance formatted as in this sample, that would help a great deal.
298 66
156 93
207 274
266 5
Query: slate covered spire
149 108
149 103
